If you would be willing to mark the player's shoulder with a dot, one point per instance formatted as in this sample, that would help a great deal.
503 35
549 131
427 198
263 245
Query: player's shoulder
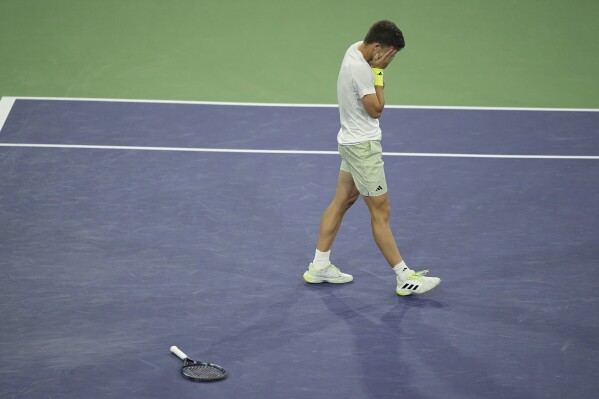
352 51
354 58
359 67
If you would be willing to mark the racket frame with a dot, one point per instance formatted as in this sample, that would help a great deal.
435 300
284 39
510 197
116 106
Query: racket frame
187 362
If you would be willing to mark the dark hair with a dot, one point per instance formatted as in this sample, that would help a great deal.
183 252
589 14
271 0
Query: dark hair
387 34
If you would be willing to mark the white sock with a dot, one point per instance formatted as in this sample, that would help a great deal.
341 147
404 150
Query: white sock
321 259
402 270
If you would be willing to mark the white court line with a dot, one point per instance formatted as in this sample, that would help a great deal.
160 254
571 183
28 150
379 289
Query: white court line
292 152
6 104
250 104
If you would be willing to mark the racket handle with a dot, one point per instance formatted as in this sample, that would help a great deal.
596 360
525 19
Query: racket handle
178 352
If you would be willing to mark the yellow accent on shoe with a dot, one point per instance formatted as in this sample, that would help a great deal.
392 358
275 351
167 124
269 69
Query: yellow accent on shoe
330 274
416 283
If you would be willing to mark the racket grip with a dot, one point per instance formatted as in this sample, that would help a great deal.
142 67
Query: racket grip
178 352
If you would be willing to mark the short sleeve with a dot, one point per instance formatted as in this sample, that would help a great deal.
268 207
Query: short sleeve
363 81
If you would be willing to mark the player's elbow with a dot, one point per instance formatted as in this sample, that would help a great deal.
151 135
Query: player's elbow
372 105
375 114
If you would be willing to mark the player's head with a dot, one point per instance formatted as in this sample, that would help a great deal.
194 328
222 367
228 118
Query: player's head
386 34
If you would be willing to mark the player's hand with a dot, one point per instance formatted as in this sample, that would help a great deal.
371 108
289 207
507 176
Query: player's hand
382 61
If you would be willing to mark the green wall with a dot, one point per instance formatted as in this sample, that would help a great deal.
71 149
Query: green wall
523 53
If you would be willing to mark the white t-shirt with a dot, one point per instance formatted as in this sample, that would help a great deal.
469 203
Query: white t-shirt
355 81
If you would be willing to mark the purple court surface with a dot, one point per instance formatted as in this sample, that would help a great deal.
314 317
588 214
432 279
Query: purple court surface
129 227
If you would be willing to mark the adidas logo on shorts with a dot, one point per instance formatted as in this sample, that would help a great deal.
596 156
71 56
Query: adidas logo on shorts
379 188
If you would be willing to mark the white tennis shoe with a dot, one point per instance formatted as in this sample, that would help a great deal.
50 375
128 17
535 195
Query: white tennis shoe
416 283
329 274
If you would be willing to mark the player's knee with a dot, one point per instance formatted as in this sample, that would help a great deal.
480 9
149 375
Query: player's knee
345 202
351 200
383 216
381 212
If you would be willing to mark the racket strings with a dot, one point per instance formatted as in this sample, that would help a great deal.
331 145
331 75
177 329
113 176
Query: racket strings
204 372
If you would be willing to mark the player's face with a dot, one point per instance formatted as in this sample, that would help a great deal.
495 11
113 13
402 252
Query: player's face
380 50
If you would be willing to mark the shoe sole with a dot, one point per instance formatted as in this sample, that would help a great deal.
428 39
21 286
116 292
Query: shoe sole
406 293
317 280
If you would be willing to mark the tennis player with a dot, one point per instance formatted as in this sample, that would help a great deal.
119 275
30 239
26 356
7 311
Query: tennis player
360 92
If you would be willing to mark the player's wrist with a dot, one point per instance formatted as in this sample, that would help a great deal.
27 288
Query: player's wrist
379 74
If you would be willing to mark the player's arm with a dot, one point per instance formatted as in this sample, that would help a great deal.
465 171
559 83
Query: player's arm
375 103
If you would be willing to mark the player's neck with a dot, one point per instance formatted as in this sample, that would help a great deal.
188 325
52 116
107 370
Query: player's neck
367 51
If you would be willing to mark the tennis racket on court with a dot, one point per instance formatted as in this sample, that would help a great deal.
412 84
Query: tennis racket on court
199 371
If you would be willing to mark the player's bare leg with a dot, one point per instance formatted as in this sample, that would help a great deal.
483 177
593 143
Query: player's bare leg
408 281
380 213
322 270
345 196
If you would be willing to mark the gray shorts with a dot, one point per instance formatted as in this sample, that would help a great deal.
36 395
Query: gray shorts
364 161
